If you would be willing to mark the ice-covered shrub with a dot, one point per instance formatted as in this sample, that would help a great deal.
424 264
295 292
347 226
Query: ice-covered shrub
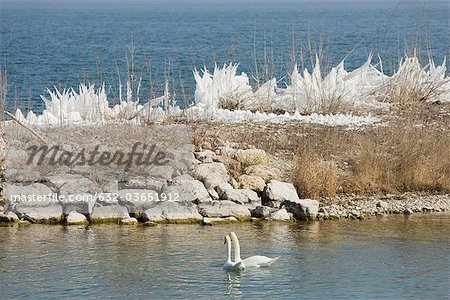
222 89
414 83
88 104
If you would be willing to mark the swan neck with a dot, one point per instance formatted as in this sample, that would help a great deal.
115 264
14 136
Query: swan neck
237 249
228 250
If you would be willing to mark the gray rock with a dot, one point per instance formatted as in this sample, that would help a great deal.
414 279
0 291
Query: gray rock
214 221
261 212
305 209
191 191
20 193
138 200
211 174
164 172
35 201
280 215
82 203
226 151
110 185
213 194
241 196
182 178
109 214
75 218
172 212
222 187
143 183
205 156
21 176
49 214
129 221
76 187
223 209
276 192
58 180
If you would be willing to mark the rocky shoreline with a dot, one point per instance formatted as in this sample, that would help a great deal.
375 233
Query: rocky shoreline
206 189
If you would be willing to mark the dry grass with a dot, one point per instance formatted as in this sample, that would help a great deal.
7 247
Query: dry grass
409 155
314 177
412 160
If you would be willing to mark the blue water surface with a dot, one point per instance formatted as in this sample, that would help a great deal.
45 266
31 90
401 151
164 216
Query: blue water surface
46 43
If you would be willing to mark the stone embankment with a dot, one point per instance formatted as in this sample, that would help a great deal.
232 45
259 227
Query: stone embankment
218 185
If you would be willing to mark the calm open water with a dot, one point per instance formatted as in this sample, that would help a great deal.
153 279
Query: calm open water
395 257
46 43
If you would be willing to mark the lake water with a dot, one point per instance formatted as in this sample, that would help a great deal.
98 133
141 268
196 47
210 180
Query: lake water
46 43
394 257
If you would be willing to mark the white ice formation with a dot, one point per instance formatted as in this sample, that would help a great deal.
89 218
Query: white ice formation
227 97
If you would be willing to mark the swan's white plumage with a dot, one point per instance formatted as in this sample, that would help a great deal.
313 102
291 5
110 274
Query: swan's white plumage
253 261
229 265
259 261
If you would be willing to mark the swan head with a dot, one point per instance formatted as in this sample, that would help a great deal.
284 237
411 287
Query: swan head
227 239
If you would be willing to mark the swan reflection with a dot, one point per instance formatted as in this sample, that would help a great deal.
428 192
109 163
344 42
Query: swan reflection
233 279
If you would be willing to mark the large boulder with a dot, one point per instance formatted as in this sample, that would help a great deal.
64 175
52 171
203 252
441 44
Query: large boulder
81 185
21 175
172 212
214 221
222 187
241 196
211 174
223 209
35 202
109 214
129 221
137 200
205 156
79 194
251 182
276 192
16 193
280 215
185 188
48 214
82 203
304 209
143 183
265 172
60 179
164 172
75 218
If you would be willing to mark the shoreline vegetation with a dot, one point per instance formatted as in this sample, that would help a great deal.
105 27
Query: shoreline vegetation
325 146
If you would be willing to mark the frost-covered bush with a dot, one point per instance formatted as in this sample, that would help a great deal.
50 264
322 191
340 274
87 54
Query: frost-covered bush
222 89
413 83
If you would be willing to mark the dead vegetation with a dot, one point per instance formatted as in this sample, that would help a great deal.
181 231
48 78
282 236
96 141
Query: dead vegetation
409 154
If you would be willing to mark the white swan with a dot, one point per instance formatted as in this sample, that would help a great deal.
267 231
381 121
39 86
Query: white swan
253 261
229 265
